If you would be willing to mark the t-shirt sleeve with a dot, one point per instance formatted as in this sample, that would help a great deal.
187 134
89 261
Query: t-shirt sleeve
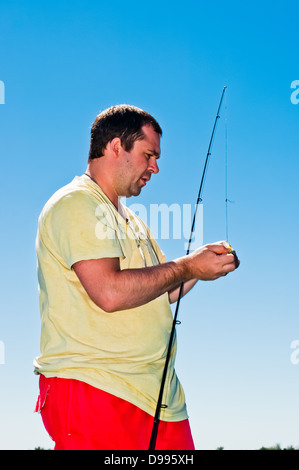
77 227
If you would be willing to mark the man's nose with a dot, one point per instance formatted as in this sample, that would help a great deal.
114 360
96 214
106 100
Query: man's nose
153 166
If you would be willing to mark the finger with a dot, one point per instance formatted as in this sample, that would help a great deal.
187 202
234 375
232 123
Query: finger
226 258
233 252
226 245
229 268
233 258
220 248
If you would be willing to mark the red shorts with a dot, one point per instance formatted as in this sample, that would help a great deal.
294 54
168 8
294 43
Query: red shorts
78 416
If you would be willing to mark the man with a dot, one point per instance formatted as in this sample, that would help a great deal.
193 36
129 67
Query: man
105 289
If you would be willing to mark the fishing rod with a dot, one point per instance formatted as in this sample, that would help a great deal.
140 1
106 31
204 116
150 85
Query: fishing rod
160 405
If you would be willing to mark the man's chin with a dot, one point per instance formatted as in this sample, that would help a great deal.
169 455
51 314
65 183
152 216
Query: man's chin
133 192
136 192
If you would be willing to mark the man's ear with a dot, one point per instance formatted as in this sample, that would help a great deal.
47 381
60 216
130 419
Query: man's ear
115 146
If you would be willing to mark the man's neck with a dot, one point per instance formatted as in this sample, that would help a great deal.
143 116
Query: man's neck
103 181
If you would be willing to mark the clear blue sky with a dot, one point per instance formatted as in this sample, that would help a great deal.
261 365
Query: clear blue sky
61 64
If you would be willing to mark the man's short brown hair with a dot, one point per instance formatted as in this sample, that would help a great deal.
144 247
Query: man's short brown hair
123 121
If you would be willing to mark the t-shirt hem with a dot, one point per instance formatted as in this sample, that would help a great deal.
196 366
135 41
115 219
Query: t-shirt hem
166 414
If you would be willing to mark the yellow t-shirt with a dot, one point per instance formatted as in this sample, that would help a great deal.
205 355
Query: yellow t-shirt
123 352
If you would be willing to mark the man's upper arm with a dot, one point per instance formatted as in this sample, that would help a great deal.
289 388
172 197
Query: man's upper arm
73 227
97 277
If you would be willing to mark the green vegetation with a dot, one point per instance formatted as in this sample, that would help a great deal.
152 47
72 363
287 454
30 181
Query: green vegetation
276 447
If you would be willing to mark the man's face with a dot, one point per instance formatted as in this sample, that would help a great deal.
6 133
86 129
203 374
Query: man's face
137 166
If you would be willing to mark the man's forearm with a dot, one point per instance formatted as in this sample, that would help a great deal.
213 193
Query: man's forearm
114 289
131 288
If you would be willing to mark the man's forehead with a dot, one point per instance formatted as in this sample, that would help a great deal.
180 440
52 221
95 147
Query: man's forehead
151 140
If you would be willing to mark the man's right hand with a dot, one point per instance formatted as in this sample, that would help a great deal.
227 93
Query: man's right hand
209 262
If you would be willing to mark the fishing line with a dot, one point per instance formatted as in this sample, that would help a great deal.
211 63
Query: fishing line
227 200
226 178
